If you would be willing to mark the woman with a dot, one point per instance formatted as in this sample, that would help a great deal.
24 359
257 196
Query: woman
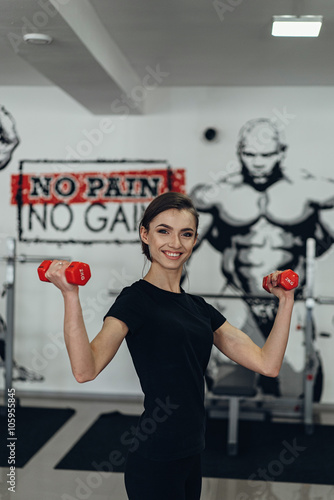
170 335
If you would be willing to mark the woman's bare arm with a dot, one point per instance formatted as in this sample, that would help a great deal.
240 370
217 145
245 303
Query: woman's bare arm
87 358
267 360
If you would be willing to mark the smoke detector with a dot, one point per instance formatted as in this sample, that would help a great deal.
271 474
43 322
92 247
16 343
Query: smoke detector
37 38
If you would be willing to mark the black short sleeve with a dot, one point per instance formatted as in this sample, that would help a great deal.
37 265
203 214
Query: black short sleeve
128 307
217 319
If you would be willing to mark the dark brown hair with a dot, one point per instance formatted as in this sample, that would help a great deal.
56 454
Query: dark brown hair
161 203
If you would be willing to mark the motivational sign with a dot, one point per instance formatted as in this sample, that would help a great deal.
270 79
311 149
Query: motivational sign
88 202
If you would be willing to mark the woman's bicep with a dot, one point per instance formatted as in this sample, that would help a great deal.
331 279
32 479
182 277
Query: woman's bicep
107 342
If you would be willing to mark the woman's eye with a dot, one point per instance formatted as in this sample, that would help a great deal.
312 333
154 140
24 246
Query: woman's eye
188 235
162 231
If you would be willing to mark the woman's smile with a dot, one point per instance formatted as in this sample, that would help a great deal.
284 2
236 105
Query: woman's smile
172 255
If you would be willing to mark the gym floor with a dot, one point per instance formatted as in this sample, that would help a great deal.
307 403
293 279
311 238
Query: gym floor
38 480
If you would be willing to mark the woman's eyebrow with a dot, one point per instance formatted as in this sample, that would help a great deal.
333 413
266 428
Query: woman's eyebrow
169 227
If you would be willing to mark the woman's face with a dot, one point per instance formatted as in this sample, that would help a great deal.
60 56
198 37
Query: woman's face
171 237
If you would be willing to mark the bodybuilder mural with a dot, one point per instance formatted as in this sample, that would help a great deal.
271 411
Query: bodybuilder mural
261 217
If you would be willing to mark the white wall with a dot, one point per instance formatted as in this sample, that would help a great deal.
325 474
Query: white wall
50 125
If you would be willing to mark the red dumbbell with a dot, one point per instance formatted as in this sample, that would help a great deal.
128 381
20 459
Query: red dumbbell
77 273
286 279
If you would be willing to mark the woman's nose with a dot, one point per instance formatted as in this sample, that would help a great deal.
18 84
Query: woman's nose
175 241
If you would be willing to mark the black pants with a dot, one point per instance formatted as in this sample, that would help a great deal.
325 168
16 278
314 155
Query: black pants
179 479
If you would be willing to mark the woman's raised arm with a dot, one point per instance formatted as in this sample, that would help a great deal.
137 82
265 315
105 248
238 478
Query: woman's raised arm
87 358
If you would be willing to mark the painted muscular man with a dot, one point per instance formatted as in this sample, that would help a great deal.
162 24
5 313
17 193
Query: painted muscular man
261 217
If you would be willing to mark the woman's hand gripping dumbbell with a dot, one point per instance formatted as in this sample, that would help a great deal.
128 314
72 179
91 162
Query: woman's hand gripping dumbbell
287 280
76 273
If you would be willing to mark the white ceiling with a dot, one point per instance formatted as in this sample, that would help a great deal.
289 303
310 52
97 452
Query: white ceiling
104 49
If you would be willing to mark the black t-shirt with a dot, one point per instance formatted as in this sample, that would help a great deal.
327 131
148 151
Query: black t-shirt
170 339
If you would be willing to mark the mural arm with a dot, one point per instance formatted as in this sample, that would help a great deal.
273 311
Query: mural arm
205 225
206 220
203 196
8 137
322 198
325 190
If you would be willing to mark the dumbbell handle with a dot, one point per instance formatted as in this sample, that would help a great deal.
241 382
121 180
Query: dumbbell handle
286 279
77 273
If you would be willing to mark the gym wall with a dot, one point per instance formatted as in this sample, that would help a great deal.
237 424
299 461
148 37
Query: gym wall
61 139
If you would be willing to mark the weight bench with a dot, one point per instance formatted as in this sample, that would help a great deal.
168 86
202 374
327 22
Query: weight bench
234 383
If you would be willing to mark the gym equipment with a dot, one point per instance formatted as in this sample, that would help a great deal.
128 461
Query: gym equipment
237 384
9 331
310 352
9 291
286 279
77 273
